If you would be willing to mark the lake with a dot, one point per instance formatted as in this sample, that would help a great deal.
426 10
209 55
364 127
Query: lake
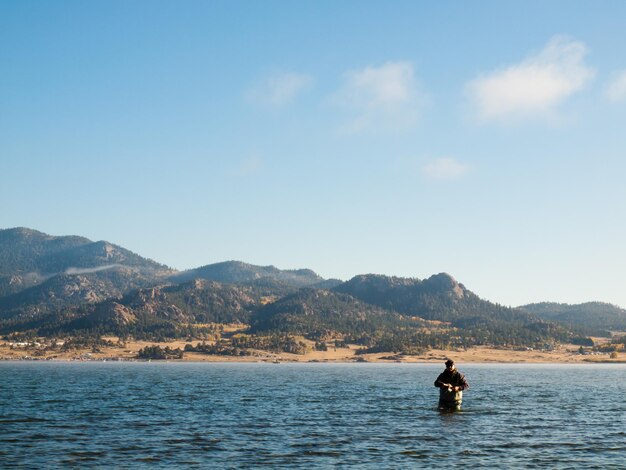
242 415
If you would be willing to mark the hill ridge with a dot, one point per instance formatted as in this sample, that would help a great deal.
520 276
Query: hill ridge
90 283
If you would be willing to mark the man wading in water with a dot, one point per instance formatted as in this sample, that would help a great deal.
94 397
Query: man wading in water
451 384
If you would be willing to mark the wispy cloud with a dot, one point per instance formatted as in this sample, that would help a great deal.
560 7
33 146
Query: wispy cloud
444 168
616 91
385 97
536 85
77 271
280 89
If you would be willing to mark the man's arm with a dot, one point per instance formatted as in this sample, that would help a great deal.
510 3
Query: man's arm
439 383
461 383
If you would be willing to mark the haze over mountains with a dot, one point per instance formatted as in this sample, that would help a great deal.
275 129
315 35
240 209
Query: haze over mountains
238 272
71 285
29 258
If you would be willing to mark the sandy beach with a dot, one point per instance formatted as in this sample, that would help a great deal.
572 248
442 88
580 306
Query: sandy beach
566 353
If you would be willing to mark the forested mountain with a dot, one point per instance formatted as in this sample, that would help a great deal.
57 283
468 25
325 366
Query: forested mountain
442 298
315 312
410 296
165 311
156 312
21 249
29 258
71 285
594 318
24 250
20 252
236 272
66 290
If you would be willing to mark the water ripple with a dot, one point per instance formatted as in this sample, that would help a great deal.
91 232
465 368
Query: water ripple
307 415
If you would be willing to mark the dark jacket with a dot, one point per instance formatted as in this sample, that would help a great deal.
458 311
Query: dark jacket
454 378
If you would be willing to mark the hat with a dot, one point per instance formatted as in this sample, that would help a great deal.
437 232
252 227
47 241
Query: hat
449 362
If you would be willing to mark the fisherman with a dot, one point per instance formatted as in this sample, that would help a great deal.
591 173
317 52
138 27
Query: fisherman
451 384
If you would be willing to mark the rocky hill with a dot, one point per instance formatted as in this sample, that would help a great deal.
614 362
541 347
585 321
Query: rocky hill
410 296
63 291
592 318
442 298
236 272
316 313
162 312
71 285
22 248
29 258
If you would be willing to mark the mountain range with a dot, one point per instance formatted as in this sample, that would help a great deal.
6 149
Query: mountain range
591 318
52 286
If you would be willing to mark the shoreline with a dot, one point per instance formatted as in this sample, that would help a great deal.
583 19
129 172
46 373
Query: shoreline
563 354
236 361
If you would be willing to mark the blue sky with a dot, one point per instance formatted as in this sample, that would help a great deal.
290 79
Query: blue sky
485 140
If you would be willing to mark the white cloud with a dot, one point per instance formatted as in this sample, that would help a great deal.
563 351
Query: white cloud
280 89
445 168
535 86
616 91
384 97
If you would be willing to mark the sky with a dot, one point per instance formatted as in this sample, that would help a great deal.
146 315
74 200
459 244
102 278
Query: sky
482 139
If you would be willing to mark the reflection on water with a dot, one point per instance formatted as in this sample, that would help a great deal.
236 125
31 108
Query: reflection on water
309 415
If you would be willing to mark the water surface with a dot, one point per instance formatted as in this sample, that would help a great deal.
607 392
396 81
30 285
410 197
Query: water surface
228 415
